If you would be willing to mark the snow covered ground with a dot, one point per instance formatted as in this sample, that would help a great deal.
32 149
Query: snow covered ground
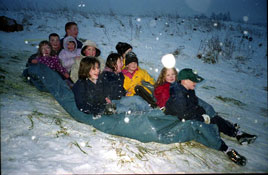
39 137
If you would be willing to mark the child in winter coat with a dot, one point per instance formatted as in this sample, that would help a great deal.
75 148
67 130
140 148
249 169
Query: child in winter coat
134 77
71 29
69 53
113 78
89 93
179 99
122 49
89 49
44 56
54 40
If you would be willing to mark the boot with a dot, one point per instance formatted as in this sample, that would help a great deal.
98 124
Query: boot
245 138
145 95
236 158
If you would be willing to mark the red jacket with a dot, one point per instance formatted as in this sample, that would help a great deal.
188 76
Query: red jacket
161 93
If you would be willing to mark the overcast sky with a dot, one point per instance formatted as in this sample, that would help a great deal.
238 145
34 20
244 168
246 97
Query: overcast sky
254 10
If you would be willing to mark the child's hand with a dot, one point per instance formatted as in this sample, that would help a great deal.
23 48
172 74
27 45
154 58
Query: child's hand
34 61
108 100
128 93
66 75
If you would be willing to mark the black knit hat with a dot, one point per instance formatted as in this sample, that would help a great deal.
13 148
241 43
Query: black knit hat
131 57
122 47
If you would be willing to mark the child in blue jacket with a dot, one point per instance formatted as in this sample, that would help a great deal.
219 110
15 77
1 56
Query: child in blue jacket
113 78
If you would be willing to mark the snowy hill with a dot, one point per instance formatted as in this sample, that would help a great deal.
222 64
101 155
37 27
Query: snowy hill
38 136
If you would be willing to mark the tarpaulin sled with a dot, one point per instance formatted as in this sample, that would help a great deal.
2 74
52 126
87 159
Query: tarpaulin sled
150 126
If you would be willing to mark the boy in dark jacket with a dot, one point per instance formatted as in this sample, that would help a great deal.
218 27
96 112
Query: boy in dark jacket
71 29
184 103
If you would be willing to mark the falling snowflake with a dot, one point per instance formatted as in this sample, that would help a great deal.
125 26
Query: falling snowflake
26 42
126 120
37 47
129 112
168 61
157 38
33 137
138 19
183 120
245 18
215 24
156 70
256 121
245 32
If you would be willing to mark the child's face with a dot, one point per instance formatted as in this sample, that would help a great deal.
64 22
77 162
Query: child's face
131 67
45 50
188 84
94 73
170 76
72 31
70 46
119 65
55 42
90 51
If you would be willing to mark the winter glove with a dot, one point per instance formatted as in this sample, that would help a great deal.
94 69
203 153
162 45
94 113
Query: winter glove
110 109
206 118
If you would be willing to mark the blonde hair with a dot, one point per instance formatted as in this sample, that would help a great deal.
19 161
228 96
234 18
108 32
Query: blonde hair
161 78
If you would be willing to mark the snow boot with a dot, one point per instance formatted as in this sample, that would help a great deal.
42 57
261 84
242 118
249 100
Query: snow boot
236 158
145 95
245 138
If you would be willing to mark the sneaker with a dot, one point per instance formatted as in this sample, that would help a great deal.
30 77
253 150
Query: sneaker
246 138
236 158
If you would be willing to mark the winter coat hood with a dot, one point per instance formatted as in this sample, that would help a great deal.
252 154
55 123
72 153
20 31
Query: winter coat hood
66 40
92 44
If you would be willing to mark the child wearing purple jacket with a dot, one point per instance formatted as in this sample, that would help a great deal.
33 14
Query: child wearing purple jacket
53 62
69 53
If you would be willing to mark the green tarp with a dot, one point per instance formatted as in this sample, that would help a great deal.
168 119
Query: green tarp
151 126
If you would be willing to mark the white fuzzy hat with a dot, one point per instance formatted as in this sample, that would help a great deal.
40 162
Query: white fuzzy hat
92 44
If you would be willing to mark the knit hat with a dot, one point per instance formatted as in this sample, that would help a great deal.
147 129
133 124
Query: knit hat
131 57
92 44
122 47
189 74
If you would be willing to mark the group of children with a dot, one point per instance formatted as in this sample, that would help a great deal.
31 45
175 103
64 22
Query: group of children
97 83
